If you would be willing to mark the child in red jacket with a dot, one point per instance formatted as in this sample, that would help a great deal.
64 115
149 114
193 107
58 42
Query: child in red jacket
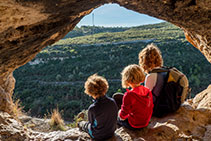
137 103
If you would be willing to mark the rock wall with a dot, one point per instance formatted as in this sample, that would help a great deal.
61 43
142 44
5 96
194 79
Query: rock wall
7 84
27 26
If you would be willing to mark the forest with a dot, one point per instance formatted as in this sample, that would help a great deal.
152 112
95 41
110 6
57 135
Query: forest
56 76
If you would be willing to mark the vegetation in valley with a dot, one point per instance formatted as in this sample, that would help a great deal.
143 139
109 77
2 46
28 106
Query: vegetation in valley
56 76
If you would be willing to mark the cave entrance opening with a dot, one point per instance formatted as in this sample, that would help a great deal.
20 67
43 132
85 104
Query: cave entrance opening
57 75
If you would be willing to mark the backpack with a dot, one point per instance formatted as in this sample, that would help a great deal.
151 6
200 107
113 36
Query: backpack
173 92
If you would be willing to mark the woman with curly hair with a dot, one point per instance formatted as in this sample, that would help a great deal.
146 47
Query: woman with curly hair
150 58
169 86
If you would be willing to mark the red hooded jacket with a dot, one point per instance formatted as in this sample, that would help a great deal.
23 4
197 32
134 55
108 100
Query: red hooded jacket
137 106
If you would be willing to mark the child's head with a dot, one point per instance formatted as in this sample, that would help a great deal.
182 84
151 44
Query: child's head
132 74
96 86
150 57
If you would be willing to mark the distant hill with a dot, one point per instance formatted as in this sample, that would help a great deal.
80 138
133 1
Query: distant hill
57 75
89 30
160 32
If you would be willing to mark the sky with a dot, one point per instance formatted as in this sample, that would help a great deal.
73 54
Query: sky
113 15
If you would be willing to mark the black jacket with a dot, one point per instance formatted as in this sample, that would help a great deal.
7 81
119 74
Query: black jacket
102 116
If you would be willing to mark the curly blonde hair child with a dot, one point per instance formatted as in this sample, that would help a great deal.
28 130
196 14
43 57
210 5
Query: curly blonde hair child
96 86
132 74
102 110
137 102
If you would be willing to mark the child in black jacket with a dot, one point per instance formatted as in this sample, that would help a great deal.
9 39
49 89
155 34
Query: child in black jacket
102 114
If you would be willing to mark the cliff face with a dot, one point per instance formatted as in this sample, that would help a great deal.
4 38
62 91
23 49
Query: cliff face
191 122
28 26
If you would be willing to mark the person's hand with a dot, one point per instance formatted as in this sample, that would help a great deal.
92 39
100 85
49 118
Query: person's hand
119 115
81 125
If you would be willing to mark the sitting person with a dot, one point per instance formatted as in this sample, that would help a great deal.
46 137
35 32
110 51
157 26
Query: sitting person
149 58
169 86
137 103
102 114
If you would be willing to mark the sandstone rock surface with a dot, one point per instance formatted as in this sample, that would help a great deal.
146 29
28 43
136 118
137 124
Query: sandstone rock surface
203 100
190 122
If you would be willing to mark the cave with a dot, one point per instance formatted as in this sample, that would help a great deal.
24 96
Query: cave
28 26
